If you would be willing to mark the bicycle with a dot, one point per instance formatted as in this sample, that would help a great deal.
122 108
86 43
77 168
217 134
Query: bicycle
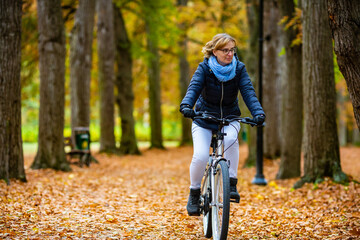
215 186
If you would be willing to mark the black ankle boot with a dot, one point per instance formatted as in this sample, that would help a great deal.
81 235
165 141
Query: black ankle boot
193 205
234 195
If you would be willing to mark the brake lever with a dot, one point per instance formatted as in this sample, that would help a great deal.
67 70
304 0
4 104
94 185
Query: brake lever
250 121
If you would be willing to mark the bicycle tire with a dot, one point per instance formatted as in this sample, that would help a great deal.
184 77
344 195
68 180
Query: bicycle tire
206 200
220 211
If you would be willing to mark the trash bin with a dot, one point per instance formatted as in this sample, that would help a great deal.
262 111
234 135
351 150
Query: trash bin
82 138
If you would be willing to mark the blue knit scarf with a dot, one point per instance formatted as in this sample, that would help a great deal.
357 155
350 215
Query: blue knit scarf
223 73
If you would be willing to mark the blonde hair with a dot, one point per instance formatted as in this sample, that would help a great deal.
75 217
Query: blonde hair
217 42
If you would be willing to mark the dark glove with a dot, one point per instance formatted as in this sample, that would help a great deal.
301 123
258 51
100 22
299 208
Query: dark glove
188 112
259 119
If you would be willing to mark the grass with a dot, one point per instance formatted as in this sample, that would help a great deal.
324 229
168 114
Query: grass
171 135
31 147
171 131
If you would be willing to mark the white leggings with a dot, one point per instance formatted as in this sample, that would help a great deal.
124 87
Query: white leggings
201 142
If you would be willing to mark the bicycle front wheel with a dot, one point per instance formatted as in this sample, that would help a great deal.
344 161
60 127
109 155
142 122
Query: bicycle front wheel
220 209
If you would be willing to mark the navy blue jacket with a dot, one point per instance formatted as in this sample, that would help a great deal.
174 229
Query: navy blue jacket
209 94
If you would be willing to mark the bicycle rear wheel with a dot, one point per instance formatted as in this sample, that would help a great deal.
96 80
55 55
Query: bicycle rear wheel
220 210
206 200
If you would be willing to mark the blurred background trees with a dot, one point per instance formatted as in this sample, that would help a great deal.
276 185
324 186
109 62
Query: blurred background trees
291 91
157 48
51 45
124 83
81 51
106 59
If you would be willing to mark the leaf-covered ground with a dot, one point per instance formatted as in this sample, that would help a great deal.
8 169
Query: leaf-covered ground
144 197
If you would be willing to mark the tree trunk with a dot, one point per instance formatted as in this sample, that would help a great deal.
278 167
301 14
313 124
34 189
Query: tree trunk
11 149
251 62
154 94
292 101
106 58
52 53
184 79
271 79
80 63
153 77
125 97
321 143
344 18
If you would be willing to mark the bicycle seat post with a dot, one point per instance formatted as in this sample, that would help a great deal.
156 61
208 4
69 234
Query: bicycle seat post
220 143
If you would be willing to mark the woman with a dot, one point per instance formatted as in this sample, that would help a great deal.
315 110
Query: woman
213 88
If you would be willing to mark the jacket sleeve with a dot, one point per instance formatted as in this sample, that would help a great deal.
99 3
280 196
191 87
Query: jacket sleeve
248 93
195 87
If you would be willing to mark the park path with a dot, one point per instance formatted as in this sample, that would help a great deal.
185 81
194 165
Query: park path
144 197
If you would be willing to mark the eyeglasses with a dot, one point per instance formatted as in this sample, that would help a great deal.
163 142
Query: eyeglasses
226 51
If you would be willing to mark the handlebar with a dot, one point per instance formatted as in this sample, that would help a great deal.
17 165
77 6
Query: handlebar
227 120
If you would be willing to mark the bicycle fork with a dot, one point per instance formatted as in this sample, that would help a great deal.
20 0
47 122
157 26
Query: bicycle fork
213 185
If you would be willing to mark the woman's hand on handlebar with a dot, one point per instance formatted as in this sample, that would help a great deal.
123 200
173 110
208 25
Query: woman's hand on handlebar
259 119
188 112
252 122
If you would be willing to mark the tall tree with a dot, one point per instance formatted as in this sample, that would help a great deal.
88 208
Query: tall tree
106 59
292 100
52 53
150 9
124 80
344 18
272 79
11 150
184 70
80 63
321 144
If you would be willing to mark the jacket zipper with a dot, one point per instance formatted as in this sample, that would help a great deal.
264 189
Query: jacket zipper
221 100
